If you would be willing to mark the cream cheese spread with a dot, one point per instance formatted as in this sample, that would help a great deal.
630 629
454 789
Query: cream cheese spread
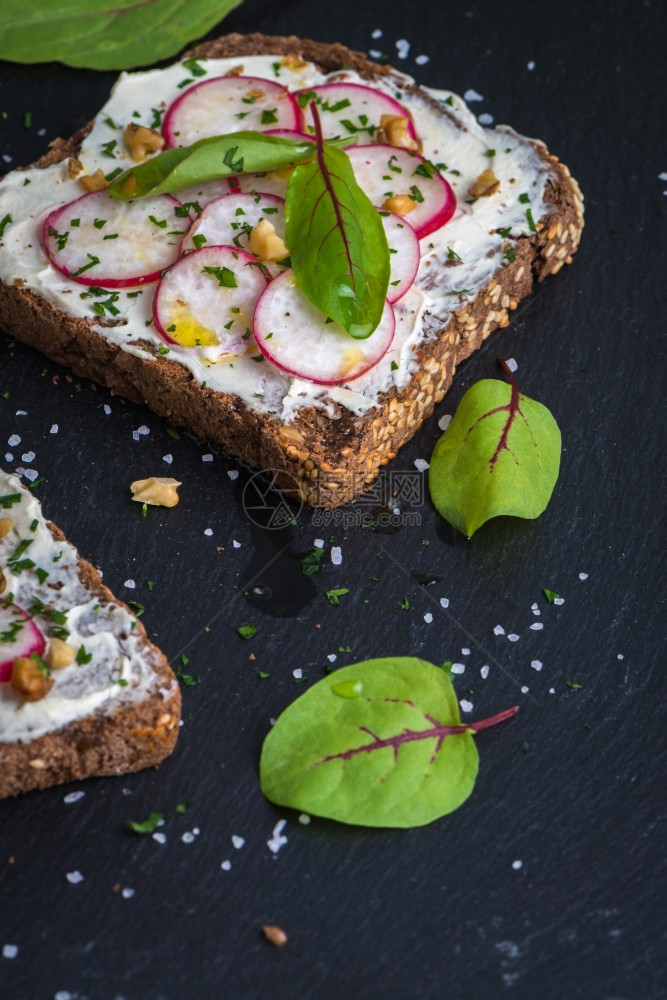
114 664
456 261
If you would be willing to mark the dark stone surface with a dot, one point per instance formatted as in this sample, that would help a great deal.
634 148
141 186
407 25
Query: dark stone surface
572 787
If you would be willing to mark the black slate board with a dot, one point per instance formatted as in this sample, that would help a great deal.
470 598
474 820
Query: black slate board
570 788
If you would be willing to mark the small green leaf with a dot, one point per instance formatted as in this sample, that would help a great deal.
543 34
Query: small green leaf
333 596
499 455
378 743
104 35
247 631
149 825
550 595
337 241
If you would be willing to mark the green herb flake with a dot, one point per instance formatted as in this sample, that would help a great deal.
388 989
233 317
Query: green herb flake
333 596
550 595
83 656
247 631
6 221
149 825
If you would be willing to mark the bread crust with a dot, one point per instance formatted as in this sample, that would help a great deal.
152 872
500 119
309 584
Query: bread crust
134 734
323 461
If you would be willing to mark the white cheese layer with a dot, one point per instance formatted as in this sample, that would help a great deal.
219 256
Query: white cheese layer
456 261
118 668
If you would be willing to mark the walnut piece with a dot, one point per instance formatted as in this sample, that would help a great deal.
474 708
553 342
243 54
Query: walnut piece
395 131
59 654
486 184
74 167
400 204
293 62
265 243
276 935
29 681
6 525
94 182
156 490
140 141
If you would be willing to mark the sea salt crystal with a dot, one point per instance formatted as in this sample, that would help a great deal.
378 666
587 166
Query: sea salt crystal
536 664
237 545
207 458
10 950
444 421
130 584
516 865
196 831
74 877
31 474
28 457
499 630
237 841
143 429
485 119
511 362
168 459
537 626
160 837
530 65
583 576
534 608
465 651
513 637
376 33
331 657
374 53
428 617
458 668
620 656
319 543
208 531
304 818
402 48
135 435
466 706
73 797
63 995
524 689
444 602
21 413
233 473
472 95
421 465
422 60
297 674
14 441
277 839
41 132
127 893
6 157
9 457
559 600
336 555
126 791
226 866
54 429
484 672
188 837
107 409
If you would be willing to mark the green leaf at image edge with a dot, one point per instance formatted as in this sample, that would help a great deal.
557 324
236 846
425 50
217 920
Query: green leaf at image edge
90 34
499 455
377 744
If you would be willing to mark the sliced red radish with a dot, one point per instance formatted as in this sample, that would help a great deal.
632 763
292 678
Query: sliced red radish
351 109
403 254
19 637
206 301
296 337
229 104
229 221
99 240
385 172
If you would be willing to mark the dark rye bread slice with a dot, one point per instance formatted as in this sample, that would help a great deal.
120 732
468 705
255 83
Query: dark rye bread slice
136 733
323 461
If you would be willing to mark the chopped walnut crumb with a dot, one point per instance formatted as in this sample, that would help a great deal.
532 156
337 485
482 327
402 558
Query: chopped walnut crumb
236 70
6 525
29 681
394 128
94 182
158 491
74 167
276 935
265 243
256 92
293 62
140 141
400 204
486 184
60 654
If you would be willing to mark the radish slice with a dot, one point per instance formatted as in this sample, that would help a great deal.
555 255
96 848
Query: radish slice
403 254
296 337
207 299
351 109
229 220
383 171
99 240
229 104
20 637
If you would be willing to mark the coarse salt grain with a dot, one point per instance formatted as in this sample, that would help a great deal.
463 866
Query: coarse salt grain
466 706
54 429
428 617
233 473
226 866
130 584
620 656
188 837
583 576
485 118
208 531
73 797
559 600
336 555
207 458
465 651
402 48
552 690
511 362
331 657
297 674
74 877
63 995
444 421
536 611
237 841
513 637
6 157
304 818
524 689
421 465
277 840
376 33
168 459
160 837
536 664
444 602
28 457
537 626
237 545
374 53
458 668
499 630
127 893
422 60
319 543
484 672
530 64
472 95
516 865
135 435
14 441
10 951
195 830
21 413
143 429
9 457
31 474
107 409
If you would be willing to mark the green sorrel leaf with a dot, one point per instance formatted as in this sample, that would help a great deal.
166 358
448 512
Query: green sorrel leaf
499 455
104 35
337 243
378 743
209 160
